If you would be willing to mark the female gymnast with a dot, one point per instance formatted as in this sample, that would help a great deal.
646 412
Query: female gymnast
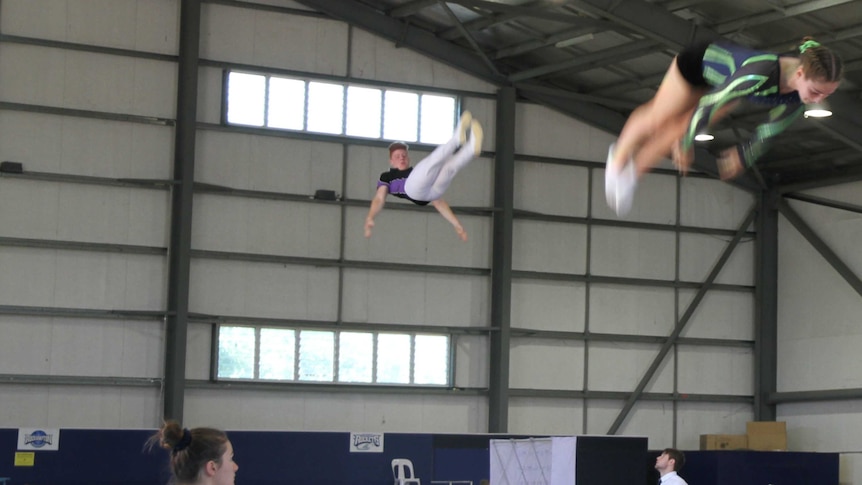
703 84
426 182
200 456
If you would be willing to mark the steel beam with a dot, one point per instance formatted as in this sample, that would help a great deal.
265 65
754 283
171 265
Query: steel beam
766 306
501 262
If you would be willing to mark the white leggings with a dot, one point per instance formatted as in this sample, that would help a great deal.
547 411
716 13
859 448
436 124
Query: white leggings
431 177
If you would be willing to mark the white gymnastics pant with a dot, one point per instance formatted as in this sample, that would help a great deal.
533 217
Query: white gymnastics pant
431 177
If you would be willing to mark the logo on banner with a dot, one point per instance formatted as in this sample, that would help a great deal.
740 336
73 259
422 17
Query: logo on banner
38 439
366 442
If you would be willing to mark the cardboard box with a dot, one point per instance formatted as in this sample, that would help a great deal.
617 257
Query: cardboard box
723 442
767 435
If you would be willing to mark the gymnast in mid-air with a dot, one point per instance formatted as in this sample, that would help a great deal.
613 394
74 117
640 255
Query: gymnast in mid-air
703 84
428 180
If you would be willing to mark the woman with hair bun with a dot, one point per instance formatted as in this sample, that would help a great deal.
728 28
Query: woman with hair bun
703 84
199 456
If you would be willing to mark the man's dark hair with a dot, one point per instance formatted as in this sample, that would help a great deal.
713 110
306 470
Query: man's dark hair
677 456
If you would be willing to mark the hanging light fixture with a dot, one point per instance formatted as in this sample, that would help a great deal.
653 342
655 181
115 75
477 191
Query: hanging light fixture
817 110
704 137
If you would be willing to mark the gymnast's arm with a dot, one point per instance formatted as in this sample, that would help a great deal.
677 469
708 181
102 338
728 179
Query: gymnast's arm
376 206
446 211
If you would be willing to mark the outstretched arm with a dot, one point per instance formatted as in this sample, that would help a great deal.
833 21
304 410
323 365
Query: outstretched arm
376 206
446 211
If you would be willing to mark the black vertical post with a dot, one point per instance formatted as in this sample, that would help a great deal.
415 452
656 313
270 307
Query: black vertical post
766 303
501 262
181 210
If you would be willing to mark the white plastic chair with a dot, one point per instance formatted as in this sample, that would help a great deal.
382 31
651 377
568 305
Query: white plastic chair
402 470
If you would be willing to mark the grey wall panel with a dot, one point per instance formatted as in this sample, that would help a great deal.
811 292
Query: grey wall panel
199 350
96 82
699 418
417 238
549 247
145 25
648 418
600 414
267 410
80 146
56 346
699 253
268 164
86 407
546 364
544 132
375 58
706 203
271 39
620 366
631 310
548 305
49 210
471 361
633 253
224 223
542 416
551 189
415 298
80 279
654 200
263 290
720 315
715 370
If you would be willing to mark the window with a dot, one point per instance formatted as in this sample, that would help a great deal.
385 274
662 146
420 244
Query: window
304 355
339 108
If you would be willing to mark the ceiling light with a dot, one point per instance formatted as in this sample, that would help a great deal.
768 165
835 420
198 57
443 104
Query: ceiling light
703 137
817 110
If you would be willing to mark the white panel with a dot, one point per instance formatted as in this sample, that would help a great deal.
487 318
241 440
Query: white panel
549 247
145 25
537 416
263 290
631 310
79 407
210 95
825 362
401 236
697 418
545 132
601 414
621 366
80 279
415 298
633 253
829 426
710 203
80 146
472 360
699 254
651 419
381 60
199 351
306 411
720 314
839 229
84 80
551 189
716 370
654 199
266 38
546 364
548 305
53 346
266 226
119 215
267 163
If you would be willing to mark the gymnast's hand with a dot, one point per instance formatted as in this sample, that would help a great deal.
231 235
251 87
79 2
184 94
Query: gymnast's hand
369 223
461 233
729 164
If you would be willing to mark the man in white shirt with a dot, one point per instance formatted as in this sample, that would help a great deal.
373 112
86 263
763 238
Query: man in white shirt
668 463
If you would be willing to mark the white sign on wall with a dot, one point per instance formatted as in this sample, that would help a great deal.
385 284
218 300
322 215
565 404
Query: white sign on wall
366 442
38 439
